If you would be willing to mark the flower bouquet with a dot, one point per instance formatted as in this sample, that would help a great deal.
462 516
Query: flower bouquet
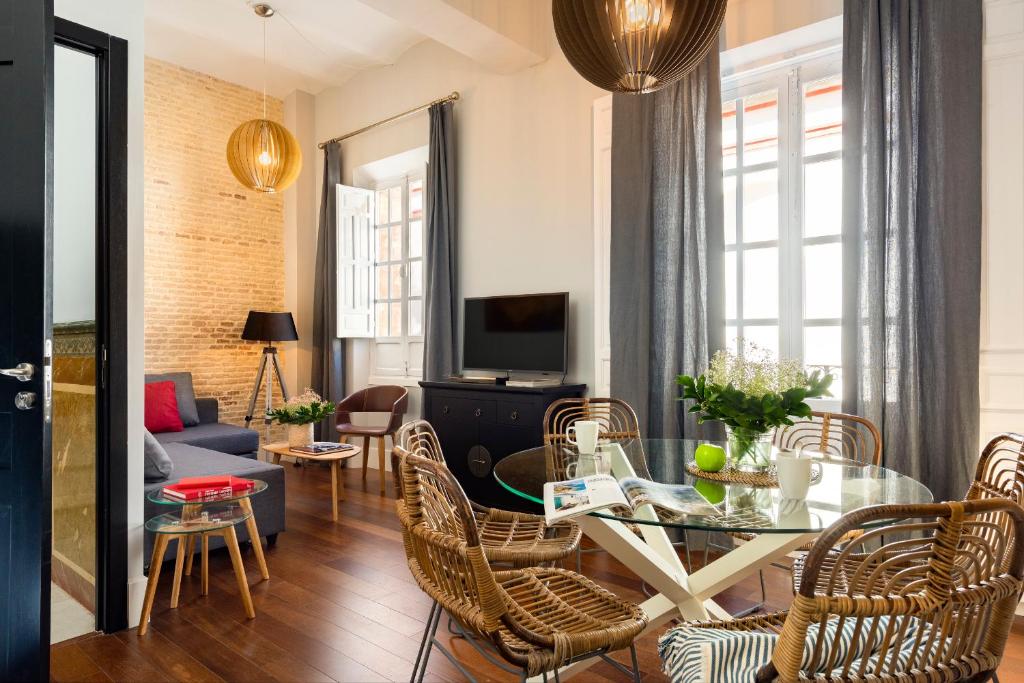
300 413
752 394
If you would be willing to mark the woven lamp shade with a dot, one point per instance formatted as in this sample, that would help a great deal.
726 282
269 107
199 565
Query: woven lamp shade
636 46
264 156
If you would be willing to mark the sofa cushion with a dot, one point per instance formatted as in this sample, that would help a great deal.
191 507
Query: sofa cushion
183 392
158 465
216 437
160 412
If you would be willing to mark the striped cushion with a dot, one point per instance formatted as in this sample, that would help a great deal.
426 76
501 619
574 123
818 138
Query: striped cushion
706 655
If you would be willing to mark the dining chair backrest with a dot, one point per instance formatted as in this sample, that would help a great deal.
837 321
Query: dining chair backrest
834 435
1000 474
388 399
616 419
419 438
443 545
928 593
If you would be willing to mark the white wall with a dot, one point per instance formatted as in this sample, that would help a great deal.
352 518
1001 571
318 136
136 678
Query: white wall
124 19
524 165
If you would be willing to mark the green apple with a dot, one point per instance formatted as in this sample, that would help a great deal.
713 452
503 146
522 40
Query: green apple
712 491
709 457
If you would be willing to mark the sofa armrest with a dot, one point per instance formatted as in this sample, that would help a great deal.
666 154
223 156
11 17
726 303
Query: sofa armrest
208 409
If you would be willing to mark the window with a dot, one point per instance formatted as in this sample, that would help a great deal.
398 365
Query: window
782 183
398 278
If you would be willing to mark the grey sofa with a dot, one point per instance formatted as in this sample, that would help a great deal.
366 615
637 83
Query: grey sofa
211 448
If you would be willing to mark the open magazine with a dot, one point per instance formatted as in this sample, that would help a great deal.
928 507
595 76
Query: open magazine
564 499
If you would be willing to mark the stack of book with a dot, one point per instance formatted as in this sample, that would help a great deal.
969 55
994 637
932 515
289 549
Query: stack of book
199 489
322 447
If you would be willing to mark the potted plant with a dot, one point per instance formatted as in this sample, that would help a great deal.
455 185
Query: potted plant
300 413
752 394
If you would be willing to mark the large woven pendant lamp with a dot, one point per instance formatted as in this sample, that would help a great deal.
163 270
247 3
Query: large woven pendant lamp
262 154
636 46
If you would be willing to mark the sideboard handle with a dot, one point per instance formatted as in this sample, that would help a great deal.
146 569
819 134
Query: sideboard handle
445 410
477 412
514 415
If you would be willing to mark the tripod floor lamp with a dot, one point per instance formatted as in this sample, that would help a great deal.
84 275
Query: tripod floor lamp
268 328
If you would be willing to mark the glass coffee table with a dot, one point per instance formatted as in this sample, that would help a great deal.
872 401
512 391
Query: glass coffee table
184 522
779 526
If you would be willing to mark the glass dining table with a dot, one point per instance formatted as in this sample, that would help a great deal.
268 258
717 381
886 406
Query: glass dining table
778 526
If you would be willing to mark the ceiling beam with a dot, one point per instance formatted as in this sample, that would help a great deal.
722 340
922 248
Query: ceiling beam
475 33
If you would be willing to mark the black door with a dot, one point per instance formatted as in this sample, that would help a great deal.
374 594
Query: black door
26 113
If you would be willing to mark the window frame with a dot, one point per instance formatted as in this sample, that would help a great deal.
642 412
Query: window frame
411 346
788 77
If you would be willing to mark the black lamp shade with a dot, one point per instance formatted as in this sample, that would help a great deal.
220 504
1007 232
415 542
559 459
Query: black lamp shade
268 327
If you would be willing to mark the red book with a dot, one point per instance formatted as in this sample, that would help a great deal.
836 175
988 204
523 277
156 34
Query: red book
206 488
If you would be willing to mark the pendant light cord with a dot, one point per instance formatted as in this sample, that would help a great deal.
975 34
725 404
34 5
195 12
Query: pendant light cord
265 20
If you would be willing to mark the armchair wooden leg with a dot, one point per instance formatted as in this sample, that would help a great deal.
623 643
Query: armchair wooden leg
366 455
380 464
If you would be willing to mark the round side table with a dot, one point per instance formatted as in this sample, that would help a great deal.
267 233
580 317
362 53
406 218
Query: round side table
276 450
217 516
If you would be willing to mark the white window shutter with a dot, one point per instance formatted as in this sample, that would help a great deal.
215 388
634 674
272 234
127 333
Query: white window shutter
355 262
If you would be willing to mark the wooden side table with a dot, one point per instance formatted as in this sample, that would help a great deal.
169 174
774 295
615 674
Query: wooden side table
281 448
216 517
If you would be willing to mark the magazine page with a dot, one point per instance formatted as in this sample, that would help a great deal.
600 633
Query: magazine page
564 499
676 499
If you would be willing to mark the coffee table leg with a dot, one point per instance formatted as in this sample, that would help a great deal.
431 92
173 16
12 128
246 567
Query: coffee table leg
254 537
179 563
231 540
159 547
334 490
277 458
190 552
205 541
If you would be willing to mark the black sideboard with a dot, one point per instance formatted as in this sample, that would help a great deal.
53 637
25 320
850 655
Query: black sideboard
479 424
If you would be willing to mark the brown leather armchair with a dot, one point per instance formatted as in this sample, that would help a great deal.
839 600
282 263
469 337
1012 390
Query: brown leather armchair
380 399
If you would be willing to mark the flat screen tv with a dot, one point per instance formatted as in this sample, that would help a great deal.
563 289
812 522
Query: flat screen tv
525 333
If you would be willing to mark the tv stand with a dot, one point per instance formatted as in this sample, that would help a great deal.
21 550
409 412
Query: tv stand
478 424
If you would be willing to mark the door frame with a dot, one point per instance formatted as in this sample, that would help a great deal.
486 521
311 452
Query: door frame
111 55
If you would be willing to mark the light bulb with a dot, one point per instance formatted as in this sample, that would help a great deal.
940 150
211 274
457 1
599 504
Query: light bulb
639 15
264 158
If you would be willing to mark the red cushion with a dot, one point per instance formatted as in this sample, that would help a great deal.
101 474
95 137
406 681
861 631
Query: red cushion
162 408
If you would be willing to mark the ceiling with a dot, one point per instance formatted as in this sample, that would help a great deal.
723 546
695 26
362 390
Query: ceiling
317 44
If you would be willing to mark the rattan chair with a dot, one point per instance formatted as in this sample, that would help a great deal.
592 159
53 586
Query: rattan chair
933 602
515 538
536 619
999 474
835 436
616 418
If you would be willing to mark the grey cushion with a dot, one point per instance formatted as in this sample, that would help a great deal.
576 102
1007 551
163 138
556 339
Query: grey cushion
216 437
183 393
158 465
189 461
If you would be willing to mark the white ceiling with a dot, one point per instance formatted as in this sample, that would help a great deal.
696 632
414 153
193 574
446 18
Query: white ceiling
317 44
224 38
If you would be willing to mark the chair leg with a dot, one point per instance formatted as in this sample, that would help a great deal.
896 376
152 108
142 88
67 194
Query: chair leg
366 455
420 667
636 664
380 465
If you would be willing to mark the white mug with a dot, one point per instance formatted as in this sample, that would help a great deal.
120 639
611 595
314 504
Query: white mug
583 435
794 474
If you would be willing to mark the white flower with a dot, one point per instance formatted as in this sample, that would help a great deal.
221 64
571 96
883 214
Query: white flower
757 372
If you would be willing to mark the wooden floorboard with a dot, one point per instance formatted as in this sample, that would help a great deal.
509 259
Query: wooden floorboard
340 606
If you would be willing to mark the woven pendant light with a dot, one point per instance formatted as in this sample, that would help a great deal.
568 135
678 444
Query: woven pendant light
262 154
636 46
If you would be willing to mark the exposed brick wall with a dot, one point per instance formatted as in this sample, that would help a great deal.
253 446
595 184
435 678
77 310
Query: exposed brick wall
213 248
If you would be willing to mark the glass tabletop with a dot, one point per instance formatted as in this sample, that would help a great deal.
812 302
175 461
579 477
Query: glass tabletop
844 486
201 521
157 496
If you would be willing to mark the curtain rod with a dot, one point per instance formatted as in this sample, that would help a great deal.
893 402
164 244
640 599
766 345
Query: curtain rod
451 98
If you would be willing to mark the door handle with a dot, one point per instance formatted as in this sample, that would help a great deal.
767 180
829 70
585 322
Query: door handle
22 372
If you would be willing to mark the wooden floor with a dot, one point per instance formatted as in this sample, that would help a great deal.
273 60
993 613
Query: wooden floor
340 605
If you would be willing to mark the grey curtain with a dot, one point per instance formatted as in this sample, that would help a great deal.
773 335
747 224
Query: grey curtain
912 232
667 246
440 333
328 378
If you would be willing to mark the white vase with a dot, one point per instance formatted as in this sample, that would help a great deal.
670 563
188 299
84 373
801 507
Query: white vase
300 435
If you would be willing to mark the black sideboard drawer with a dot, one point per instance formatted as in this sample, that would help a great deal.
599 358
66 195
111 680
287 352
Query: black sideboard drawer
518 413
462 409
